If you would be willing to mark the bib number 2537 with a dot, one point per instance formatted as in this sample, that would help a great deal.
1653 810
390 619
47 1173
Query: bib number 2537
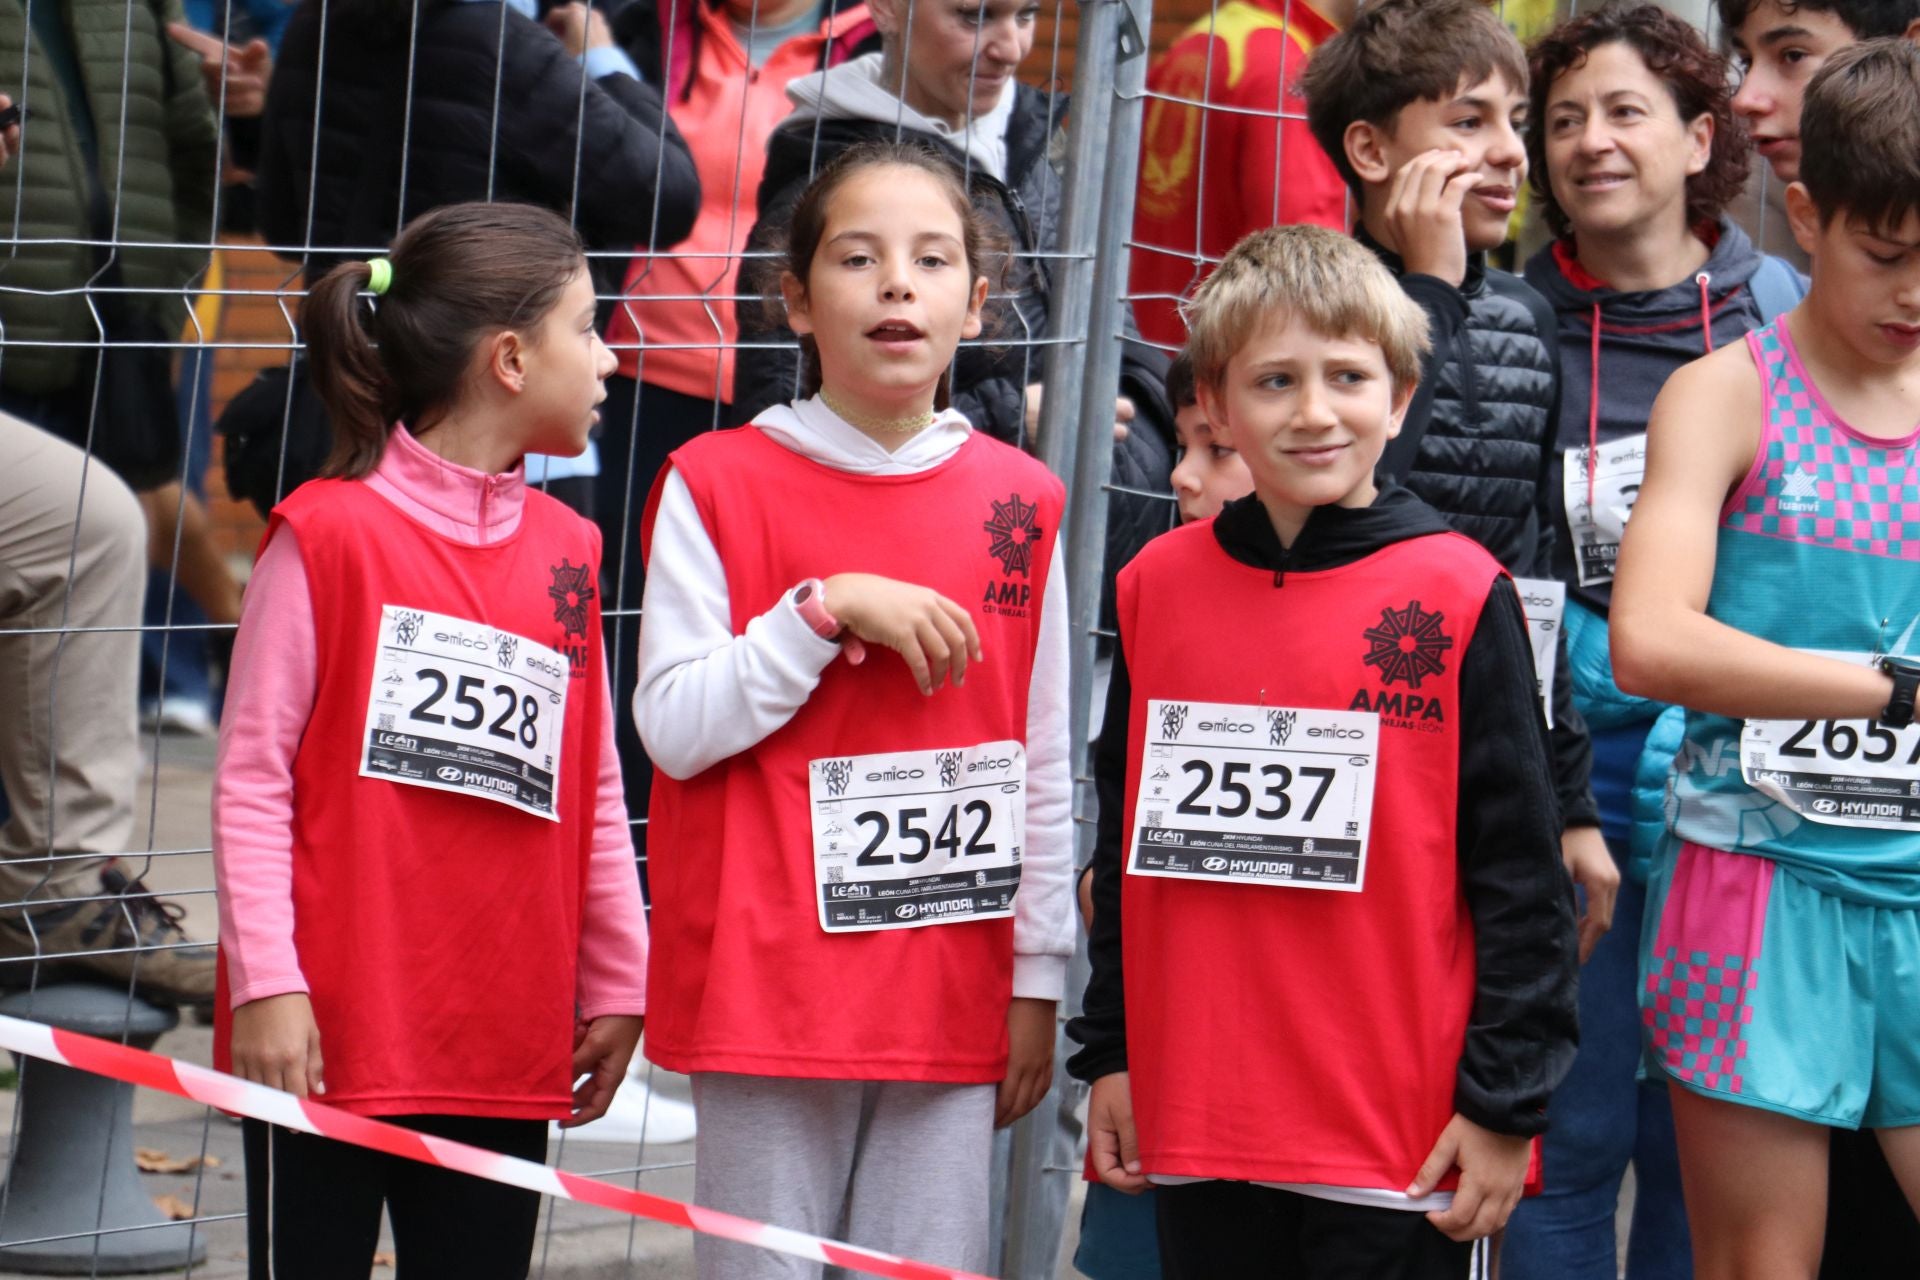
1255 795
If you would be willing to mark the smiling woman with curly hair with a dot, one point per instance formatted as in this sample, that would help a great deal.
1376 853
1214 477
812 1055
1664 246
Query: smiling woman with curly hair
1635 152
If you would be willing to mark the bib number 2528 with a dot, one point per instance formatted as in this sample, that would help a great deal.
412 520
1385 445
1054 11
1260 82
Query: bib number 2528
456 705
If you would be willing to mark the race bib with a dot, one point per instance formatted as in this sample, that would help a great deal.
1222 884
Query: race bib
1255 795
460 706
1544 601
1598 526
1847 773
904 839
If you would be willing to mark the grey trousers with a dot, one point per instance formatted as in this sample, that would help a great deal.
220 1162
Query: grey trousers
888 1165
73 554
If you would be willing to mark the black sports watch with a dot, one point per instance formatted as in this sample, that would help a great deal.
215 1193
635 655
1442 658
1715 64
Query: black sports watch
1906 684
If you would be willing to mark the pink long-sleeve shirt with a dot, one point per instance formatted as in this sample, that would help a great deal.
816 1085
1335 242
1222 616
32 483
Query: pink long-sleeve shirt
270 697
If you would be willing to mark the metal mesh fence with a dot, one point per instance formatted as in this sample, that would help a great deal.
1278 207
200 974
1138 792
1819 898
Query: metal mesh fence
166 210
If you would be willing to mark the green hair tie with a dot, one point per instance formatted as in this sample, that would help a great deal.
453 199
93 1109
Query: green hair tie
379 275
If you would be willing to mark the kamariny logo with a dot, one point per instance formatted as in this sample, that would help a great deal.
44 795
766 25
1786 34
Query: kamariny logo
1407 645
1014 533
837 773
1280 726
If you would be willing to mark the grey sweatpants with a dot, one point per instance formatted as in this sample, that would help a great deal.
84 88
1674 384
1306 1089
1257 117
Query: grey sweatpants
73 554
886 1164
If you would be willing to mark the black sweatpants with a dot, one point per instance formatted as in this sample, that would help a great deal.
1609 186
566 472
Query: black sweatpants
313 1205
1210 1230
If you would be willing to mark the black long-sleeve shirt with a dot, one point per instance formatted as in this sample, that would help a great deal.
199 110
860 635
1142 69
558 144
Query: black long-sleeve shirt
1523 1029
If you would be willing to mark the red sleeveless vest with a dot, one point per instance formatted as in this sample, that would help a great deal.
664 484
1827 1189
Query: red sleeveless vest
1282 1034
439 933
742 978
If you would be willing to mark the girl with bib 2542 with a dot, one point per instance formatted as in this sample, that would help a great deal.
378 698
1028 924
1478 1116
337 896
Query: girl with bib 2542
428 905
853 686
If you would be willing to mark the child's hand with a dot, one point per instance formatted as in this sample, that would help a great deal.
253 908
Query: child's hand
601 1051
935 636
1111 1141
1423 214
1493 1171
1590 863
276 1042
1030 1035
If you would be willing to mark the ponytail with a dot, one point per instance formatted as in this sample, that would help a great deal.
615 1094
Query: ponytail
458 276
346 371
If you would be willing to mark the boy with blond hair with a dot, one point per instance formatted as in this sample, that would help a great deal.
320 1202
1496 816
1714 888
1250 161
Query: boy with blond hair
1341 824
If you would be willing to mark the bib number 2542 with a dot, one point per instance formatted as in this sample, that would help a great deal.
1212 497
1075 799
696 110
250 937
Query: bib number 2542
906 839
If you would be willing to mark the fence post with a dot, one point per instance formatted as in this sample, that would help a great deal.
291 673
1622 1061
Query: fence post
1076 442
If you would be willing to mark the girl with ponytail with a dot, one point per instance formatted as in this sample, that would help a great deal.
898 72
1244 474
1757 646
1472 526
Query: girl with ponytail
416 771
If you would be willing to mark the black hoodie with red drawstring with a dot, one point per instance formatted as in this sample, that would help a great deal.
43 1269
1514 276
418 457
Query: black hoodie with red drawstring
1639 338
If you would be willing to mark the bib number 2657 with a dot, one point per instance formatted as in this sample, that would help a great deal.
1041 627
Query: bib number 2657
1846 773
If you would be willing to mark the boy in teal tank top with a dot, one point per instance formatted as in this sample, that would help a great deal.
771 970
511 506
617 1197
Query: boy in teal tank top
1770 583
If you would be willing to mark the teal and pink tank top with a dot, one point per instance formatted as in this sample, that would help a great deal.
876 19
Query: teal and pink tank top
1818 549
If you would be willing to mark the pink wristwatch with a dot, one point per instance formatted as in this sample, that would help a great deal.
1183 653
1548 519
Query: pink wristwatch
810 602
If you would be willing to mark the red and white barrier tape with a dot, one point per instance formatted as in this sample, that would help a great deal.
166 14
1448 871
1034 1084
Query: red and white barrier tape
243 1097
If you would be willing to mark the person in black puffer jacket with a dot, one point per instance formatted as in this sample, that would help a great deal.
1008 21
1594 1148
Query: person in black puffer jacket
496 111
1000 132
1418 104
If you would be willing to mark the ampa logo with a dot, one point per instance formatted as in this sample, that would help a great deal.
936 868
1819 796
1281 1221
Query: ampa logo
837 773
1407 644
1173 718
1824 805
1012 534
447 773
1213 864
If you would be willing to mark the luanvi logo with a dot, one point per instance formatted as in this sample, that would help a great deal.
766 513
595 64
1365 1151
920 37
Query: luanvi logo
504 646
572 591
1407 645
406 627
1013 533
1800 492
1173 718
837 773
1280 726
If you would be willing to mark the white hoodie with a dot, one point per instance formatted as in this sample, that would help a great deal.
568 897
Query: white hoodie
706 694
855 90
